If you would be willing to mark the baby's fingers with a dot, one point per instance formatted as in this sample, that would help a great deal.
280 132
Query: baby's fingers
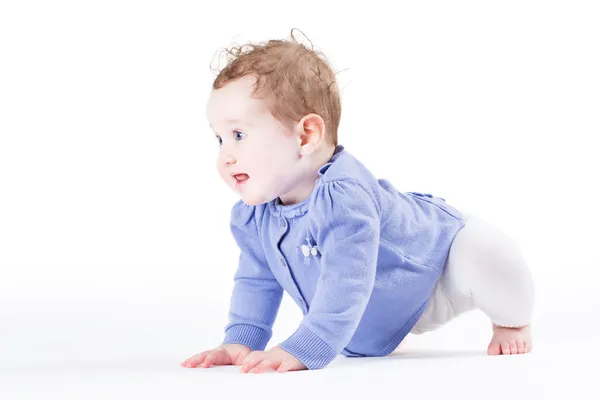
195 360
252 361
264 366
216 357
288 365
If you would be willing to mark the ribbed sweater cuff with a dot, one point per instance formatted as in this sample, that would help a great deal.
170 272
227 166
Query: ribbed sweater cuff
307 347
248 335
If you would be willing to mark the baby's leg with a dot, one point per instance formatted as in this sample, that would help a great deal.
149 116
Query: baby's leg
485 270
489 267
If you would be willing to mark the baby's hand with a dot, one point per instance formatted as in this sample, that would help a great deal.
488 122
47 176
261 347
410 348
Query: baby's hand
227 354
276 359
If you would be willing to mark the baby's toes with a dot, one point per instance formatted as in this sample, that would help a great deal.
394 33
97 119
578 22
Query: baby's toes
494 349
513 347
505 347
521 348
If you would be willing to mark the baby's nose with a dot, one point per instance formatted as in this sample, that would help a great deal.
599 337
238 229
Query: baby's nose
226 156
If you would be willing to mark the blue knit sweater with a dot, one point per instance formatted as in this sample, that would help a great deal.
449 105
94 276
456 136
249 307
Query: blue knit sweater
359 258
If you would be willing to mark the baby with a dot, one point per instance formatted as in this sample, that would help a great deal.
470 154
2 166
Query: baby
366 263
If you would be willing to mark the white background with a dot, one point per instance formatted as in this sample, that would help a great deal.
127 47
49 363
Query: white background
116 261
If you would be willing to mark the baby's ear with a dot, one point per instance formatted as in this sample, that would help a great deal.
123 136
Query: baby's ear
311 132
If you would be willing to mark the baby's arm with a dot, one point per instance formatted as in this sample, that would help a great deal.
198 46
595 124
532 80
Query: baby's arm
348 226
256 294
254 302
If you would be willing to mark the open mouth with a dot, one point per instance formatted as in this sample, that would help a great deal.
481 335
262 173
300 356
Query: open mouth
241 178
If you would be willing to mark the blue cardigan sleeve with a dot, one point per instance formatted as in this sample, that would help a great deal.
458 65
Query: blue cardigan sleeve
257 295
347 223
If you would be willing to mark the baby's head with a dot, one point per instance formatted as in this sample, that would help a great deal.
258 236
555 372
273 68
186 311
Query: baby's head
275 109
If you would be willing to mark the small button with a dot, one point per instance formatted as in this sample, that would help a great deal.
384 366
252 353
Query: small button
282 261
283 223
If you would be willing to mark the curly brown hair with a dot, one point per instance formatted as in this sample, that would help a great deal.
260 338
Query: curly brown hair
293 79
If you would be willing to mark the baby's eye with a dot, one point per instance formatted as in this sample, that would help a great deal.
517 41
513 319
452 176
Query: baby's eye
238 135
219 140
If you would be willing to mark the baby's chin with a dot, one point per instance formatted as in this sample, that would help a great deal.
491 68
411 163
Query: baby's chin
252 196
254 200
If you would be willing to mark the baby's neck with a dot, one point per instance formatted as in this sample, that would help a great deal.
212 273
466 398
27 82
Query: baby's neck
307 182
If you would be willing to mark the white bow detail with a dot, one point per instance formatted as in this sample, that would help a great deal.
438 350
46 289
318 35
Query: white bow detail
308 250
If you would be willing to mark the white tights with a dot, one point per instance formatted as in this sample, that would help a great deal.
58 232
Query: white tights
485 270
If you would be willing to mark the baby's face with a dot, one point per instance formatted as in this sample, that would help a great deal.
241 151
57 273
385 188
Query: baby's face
258 155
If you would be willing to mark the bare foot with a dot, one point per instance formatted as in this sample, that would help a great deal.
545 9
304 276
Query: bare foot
510 340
